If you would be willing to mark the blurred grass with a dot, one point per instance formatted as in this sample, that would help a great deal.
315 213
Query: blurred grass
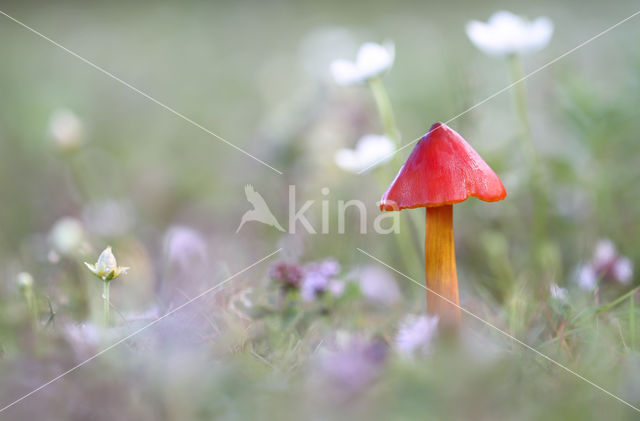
251 73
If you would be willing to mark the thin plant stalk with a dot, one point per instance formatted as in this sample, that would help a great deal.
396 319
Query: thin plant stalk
105 296
632 321
520 98
608 306
529 151
30 298
385 109
387 117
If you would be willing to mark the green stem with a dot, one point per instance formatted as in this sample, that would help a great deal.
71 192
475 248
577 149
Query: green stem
105 293
608 306
536 183
520 98
384 109
632 321
32 306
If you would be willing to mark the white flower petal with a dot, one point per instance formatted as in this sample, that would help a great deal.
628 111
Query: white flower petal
374 149
345 72
506 33
587 278
65 128
346 159
91 267
623 270
604 253
482 37
370 149
374 59
540 32
67 235
558 293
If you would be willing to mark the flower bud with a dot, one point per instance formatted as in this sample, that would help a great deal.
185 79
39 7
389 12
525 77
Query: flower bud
25 281
65 129
67 236
106 267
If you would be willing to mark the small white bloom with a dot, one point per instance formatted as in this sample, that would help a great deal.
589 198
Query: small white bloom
604 253
65 128
67 236
415 334
25 281
106 268
558 293
623 270
587 278
372 60
371 149
506 33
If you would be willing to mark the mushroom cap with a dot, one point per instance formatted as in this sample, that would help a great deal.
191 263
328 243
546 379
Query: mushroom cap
442 169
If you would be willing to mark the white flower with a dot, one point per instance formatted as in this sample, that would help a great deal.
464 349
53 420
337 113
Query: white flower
604 253
372 60
65 128
67 235
106 268
623 270
506 33
371 149
415 334
558 293
587 278
25 281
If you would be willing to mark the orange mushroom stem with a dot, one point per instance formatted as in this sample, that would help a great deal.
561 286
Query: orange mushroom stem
443 169
440 264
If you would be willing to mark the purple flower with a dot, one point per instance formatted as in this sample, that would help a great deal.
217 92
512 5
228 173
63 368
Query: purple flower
185 246
313 285
336 287
416 334
622 270
289 275
319 278
378 285
587 278
327 268
353 365
605 264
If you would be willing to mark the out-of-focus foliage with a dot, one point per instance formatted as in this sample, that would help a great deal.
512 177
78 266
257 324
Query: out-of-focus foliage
86 162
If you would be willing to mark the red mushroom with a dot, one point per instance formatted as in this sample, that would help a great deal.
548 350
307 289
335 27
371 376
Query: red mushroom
442 169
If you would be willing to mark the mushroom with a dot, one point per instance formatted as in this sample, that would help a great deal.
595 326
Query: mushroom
442 169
